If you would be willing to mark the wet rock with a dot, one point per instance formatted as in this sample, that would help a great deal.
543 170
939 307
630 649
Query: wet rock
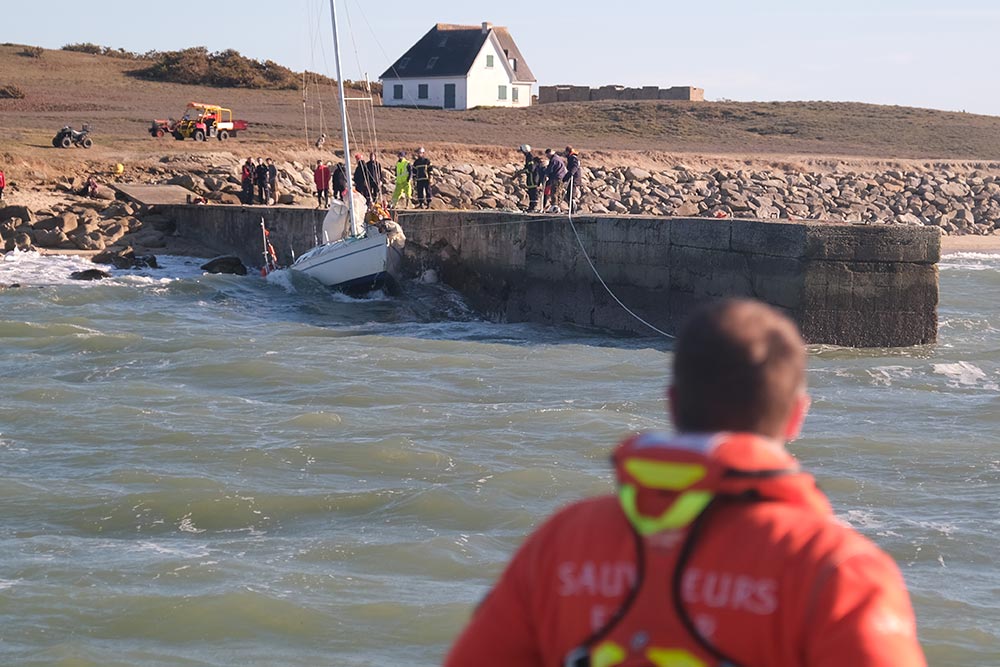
22 212
225 264
125 258
89 274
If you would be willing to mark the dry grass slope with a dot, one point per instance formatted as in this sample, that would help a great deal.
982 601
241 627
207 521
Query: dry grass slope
63 87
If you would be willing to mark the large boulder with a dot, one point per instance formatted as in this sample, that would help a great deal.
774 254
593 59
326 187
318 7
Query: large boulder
89 274
66 222
49 238
22 241
472 190
125 258
636 174
89 241
149 238
225 264
22 212
447 190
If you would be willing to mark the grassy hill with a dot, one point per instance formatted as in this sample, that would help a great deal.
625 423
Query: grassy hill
63 87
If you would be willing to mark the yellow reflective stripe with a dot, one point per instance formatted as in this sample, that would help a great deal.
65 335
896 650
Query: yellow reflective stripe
673 657
607 654
661 475
683 511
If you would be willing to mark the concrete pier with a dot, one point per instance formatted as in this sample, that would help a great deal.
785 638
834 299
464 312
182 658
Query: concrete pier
851 285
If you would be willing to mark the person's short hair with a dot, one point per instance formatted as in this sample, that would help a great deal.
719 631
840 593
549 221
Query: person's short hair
739 365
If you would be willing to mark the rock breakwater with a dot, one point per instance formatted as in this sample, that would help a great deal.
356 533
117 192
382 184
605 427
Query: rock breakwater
959 200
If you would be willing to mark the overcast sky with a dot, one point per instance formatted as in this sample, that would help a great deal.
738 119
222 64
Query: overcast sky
923 53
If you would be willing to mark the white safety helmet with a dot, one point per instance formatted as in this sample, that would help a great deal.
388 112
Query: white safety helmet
525 148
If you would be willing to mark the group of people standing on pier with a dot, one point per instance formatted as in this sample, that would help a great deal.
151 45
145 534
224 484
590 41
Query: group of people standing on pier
558 179
554 179
412 180
262 175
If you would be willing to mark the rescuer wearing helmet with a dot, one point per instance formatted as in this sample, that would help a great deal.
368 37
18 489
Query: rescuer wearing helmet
717 549
422 172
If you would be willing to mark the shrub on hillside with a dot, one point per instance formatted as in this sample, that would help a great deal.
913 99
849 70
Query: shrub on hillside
11 92
225 69
32 51
98 50
85 47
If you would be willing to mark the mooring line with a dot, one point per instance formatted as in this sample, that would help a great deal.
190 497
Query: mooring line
569 217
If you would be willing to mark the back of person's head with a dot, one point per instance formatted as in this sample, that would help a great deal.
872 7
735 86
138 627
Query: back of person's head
739 365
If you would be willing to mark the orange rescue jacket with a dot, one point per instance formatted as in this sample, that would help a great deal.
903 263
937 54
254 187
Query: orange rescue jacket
717 551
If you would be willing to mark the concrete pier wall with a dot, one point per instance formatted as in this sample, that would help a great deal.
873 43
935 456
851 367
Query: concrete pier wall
235 230
852 285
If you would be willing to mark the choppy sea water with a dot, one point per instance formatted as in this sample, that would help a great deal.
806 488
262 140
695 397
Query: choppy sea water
214 470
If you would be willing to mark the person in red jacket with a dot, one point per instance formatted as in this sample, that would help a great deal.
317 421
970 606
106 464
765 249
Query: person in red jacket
321 176
717 549
3 183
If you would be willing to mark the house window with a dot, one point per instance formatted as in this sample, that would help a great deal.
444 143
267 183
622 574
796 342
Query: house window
502 93
397 91
489 61
403 62
513 64
513 94
422 91
432 62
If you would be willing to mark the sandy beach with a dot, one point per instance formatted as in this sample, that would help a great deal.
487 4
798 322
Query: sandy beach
983 244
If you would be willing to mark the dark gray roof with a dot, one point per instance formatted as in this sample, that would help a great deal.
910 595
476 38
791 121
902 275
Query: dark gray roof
449 50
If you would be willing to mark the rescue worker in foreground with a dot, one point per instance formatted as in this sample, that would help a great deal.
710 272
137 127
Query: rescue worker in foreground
717 550
404 174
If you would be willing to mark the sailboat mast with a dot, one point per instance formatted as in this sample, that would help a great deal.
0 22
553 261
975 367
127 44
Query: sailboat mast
343 117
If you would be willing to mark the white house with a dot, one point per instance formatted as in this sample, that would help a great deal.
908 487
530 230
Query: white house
460 67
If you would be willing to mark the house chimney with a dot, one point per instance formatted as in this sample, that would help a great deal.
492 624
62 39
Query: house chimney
487 26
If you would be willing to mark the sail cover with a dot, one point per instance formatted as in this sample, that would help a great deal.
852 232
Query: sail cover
336 225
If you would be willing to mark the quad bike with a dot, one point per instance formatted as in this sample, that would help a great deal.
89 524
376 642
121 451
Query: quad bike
68 137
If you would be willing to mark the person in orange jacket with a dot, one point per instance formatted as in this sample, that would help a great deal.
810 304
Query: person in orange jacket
717 549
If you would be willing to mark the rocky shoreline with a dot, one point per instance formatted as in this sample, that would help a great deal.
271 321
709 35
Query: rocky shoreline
960 203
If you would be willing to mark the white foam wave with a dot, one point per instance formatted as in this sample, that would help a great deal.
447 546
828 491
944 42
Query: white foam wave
970 261
971 255
884 375
282 278
964 374
34 268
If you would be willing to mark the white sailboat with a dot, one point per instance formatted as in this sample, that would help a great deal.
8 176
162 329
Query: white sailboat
353 255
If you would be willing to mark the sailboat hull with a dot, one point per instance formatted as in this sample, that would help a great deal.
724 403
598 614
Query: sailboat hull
350 265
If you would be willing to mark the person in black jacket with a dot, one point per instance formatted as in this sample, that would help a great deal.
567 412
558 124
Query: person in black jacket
339 180
422 170
260 178
362 181
534 180
573 178
374 177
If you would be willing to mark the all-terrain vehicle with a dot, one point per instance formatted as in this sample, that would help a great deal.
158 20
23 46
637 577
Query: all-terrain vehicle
67 137
160 127
202 121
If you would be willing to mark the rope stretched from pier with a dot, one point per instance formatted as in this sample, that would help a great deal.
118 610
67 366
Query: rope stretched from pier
569 216
583 249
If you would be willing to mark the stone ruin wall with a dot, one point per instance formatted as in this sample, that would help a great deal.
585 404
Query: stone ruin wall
548 94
